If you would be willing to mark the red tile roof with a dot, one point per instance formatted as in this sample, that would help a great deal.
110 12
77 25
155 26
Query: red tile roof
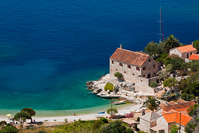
186 48
194 57
130 57
177 117
178 106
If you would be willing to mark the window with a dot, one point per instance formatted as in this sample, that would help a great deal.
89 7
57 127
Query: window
191 53
112 62
144 68
154 74
187 55
143 75
149 60
116 69
153 66
137 68
121 64
133 74
129 66
124 71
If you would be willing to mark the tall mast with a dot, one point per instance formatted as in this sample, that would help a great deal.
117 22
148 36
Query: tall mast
161 27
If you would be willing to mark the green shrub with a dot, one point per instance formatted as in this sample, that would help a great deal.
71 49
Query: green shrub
113 127
153 84
41 131
138 119
97 124
141 132
9 129
118 75
104 120
2 123
109 86
129 130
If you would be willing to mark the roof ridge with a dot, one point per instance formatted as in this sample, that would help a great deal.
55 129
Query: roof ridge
134 51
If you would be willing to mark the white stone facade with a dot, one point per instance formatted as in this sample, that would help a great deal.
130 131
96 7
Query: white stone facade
135 74
184 51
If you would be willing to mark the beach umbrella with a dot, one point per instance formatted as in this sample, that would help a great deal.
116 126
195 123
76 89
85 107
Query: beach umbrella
8 115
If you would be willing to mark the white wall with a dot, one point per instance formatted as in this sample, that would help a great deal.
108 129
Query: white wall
175 52
144 125
130 74
163 123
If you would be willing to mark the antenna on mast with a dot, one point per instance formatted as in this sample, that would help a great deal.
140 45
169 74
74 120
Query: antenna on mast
161 27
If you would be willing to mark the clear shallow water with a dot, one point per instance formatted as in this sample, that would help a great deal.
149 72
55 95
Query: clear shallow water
49 49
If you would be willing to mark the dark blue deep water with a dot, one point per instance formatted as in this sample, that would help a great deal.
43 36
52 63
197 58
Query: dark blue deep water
50 48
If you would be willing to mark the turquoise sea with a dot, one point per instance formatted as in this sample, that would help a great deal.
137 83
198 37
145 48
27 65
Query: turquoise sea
49 49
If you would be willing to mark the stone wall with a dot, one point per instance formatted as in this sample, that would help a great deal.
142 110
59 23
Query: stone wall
129 71
174 51
149 68
186 55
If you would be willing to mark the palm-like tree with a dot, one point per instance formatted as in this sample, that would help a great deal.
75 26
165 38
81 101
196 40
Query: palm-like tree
152 103
171 42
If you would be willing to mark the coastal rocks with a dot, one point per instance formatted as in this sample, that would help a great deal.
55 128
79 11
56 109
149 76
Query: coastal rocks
90 85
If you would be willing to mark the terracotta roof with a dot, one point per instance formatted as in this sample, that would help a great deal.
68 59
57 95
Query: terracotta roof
186 48
126 56
178 106
194 57
177 118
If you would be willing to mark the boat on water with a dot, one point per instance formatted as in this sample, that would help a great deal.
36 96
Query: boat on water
104 95
119 102
108 95
101 112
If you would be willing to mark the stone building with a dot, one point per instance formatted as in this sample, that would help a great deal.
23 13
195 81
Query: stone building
184 51
136 67
169 114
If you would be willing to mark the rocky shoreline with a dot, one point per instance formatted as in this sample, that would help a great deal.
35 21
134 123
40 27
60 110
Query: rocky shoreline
125 90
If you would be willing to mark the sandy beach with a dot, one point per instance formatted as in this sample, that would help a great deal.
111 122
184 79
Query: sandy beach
92 116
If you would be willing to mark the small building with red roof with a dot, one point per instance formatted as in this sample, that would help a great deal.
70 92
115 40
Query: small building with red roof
183 51
136 67
169 114
194 57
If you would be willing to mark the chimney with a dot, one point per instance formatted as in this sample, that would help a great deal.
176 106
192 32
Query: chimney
192 44
121 46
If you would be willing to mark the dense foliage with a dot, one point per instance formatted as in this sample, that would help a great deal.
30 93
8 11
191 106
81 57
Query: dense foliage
9 129
193 125
189 87
153 84
30 111
21 117
196 44
170 82
115 127
153 49
118 75
174 129
109 87
171 42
